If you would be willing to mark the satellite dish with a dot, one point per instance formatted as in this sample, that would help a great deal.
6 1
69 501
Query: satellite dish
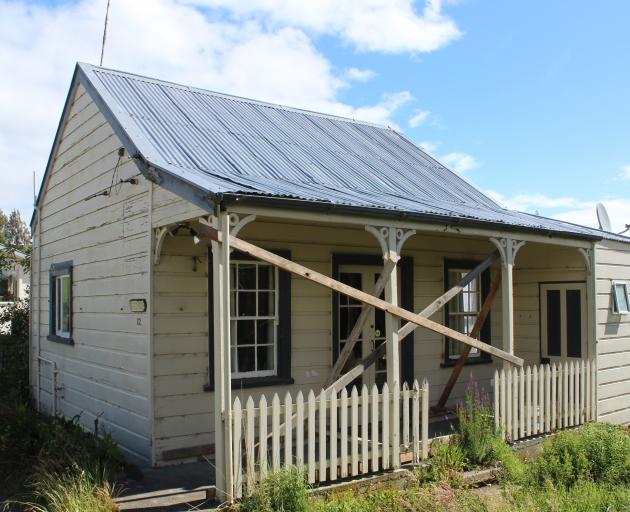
602 218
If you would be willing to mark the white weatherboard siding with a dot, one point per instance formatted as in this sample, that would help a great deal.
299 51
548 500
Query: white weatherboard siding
183 410
104 374
613 334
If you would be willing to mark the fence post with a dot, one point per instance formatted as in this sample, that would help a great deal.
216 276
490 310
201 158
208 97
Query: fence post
299 430
425 419
497 412
311 437
415 421
395 425
365 426
250 454
333 436
387 441
288 430
375 449
262 436
237 440
275 433
344 432
521 401
322 436
354 401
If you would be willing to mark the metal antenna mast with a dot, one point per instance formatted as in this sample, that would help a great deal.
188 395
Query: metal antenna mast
104 33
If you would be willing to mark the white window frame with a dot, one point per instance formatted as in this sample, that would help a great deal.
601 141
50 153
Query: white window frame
59 305
473 351
626 287
235 318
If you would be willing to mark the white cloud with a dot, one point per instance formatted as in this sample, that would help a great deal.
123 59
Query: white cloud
419 118
39 46
429 147
625 173
458 162
392 26
359 75
567 208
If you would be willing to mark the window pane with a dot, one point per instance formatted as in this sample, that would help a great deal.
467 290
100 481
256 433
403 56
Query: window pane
554 331
65 291
352 279
246 276
265 277
246 303
621 297
246 359
233 330
574 323
265 358
265 334
266 304
245 334
233 360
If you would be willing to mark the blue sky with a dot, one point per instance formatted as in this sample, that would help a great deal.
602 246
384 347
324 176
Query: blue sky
528 100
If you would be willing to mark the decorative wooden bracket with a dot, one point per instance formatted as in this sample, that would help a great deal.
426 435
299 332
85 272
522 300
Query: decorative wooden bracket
586 253
160 234
391 239
508 247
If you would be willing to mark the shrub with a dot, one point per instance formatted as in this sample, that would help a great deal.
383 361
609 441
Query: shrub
447 459
585 497
14 379
29 439
599 452
479 442
284 491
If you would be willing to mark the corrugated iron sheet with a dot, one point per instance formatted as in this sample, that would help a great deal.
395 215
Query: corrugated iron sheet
227 144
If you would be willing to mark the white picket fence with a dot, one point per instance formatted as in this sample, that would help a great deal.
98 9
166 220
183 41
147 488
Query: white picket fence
330 436
541 399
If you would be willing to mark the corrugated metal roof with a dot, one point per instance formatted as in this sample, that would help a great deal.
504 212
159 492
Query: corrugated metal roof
227 144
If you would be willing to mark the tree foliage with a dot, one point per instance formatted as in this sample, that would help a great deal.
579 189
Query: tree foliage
15 235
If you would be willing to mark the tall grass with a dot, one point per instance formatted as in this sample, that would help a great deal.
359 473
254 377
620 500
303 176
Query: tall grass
71 490
284 491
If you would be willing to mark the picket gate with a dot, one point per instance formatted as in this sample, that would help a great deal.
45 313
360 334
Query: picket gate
330 436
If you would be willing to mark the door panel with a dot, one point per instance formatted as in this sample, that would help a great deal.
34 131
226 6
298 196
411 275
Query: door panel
563 320
362 277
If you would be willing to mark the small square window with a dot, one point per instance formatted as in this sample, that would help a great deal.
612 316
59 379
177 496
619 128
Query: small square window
621 298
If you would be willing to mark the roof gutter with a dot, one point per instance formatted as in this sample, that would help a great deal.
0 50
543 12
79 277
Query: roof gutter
323 206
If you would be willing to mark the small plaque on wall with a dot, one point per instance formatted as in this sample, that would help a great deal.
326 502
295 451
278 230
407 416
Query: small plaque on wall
138 305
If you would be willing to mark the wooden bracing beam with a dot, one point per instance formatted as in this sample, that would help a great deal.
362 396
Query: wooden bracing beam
355 334
481 319
295 268
408 328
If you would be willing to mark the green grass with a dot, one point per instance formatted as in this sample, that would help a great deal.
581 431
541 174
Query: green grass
284 491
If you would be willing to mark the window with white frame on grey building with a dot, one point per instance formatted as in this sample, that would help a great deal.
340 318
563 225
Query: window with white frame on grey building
463 309
254 318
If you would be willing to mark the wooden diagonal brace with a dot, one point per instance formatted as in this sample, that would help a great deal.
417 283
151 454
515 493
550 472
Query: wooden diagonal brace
408 328
312 275
481 319
344 355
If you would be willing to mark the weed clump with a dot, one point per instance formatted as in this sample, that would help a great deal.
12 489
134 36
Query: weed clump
597 452
284 491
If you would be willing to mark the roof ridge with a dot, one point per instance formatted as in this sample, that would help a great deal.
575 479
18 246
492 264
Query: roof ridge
93 68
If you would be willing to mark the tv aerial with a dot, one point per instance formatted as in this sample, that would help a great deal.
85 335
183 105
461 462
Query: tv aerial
604 219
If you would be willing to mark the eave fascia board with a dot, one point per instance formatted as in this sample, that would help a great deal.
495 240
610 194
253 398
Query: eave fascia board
343 214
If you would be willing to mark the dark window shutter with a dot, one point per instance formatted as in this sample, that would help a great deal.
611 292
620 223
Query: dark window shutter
574 323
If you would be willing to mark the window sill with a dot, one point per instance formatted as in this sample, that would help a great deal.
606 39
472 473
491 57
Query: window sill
60 339
469 362
255 382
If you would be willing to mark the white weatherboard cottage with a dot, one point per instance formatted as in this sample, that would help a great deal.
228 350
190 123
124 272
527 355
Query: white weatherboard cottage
193 250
